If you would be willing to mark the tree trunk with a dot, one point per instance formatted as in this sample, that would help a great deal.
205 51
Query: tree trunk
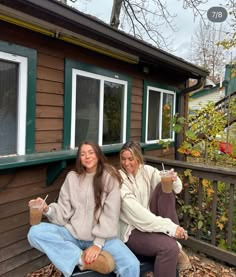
115 14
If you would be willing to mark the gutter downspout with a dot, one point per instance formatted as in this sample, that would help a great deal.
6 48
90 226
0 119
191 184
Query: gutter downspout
182 109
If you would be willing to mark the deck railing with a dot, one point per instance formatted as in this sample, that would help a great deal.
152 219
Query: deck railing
215 177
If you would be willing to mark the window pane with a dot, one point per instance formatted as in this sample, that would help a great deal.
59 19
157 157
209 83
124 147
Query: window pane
8 107
153 115
87 109
167 113
112 114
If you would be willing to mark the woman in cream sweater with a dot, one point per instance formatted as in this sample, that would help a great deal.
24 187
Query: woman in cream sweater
148 221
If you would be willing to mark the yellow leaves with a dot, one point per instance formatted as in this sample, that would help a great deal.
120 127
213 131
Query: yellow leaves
195 153
221 222
223 218
182 150
188 173
166 107
187 150
227 44
205 183
209 192
220 225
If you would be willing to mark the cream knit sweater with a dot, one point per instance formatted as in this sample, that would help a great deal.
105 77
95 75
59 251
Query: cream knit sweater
135 194
75 208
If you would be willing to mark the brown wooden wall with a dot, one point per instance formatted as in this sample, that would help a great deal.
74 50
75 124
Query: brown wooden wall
17 188
136 109
17 258
49 101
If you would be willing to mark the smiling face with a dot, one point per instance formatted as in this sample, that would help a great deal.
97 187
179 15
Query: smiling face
129 163
88 158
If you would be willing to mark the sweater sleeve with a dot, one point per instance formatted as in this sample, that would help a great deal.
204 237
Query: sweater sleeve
61 212
177 185
107 226
133 213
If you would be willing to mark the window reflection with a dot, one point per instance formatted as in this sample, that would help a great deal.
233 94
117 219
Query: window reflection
8 107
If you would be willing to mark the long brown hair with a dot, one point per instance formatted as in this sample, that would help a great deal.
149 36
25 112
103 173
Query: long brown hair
102 165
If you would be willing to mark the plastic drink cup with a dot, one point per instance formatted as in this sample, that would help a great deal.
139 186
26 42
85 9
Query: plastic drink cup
36 212
166 181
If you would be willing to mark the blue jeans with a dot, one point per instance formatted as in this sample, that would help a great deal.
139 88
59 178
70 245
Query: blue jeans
64 251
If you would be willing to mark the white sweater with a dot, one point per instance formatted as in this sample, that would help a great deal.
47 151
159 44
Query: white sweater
75 208
136 193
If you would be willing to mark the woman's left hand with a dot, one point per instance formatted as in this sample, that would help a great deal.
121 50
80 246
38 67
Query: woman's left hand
91 254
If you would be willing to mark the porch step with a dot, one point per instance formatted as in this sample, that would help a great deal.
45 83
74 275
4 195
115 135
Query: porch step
146 265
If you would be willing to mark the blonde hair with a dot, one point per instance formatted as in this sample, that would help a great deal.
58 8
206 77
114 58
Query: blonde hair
135 149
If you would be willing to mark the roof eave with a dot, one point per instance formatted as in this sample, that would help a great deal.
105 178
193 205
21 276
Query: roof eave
57 13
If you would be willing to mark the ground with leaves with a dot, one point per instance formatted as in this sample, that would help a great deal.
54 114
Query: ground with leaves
201 267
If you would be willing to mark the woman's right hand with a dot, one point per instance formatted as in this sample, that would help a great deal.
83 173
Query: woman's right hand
39 201
180 233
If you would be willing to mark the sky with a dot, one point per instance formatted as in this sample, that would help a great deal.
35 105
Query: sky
184 21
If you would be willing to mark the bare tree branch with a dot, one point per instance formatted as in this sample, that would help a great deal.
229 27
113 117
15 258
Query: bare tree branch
206 51
143 18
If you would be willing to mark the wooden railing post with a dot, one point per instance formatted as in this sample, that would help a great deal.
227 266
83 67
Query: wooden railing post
230 216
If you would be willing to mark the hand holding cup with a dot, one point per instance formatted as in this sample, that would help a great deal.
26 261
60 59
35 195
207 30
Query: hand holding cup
167 178
37 207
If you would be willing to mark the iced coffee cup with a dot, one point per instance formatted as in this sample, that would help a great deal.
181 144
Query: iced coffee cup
166 180
36 212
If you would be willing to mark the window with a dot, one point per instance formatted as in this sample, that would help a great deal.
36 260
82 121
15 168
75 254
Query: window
98 109
13 93
159 114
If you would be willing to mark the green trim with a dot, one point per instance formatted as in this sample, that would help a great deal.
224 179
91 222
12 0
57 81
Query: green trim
161 86
72 64
31 55
54 170
155 146
36 158
47 157
144 109
56 161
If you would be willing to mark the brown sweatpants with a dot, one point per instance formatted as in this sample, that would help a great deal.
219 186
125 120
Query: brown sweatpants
159 245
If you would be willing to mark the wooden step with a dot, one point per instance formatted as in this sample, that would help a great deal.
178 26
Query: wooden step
146 265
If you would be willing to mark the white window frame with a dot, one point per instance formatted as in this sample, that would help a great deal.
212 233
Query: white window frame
22 98
162 91
102 79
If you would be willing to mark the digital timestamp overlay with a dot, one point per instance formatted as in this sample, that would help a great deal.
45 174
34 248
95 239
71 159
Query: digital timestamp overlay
217 14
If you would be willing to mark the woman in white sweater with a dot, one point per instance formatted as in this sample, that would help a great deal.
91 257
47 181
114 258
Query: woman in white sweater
84 221
148 221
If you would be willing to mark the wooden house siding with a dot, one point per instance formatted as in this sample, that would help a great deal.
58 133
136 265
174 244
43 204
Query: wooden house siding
49 101
136 109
